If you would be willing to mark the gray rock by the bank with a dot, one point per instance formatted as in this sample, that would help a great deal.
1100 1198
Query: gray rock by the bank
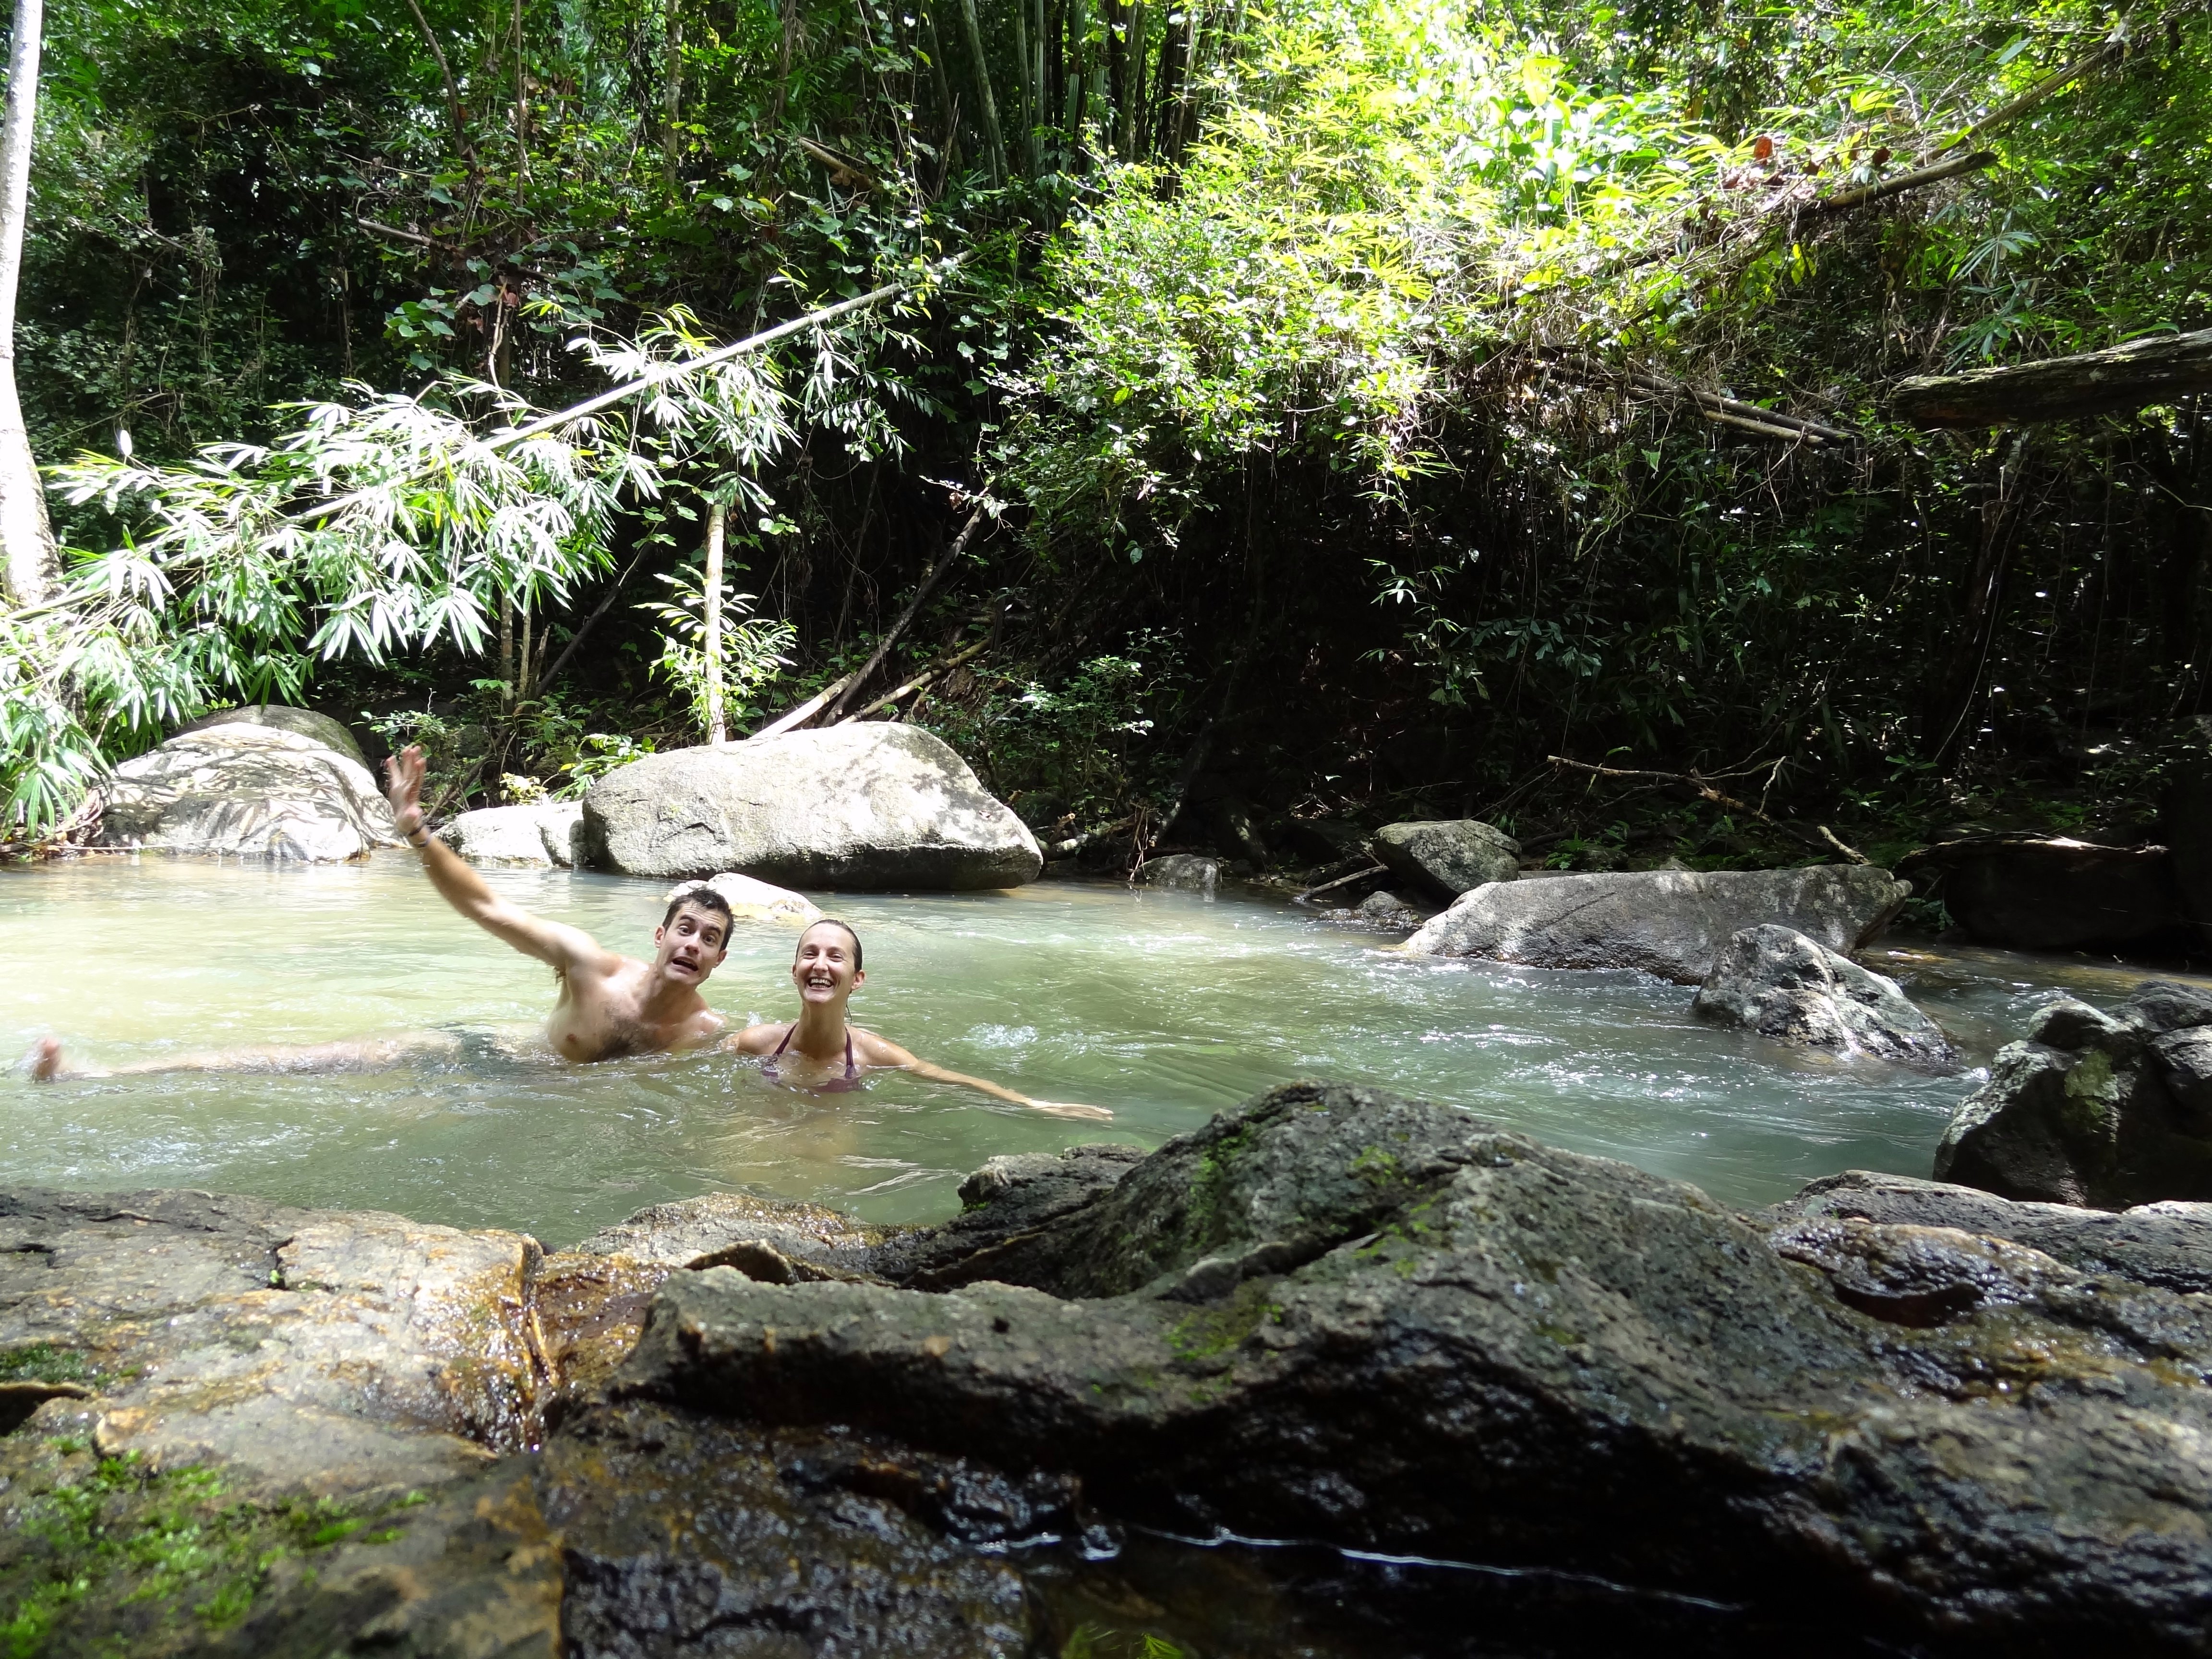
541 833
872 805
2102 1110
247 791
2167 1244
2051 893
1336 1314
1386 910
1449 856
1189 872
302 722
1776 981
1672 923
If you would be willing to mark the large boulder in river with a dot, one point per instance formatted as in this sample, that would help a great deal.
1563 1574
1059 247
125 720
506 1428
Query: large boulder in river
1774 980
867 805
1449 856
2105 1110
302 722
248 790
545 834
2051 893
1672 923
1337 1316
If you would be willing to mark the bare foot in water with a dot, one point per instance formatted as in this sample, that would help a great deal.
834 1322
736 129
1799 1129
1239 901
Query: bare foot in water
45 1059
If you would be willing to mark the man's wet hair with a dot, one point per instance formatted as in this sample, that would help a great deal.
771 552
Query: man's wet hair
706 898
832 921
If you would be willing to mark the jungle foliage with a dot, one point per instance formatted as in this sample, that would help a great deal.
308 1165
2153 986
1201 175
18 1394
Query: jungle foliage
1498 382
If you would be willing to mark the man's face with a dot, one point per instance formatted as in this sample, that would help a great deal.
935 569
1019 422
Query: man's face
691 944
823 969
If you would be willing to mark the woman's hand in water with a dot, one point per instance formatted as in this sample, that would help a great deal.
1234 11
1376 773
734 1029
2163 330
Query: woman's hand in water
1068 1108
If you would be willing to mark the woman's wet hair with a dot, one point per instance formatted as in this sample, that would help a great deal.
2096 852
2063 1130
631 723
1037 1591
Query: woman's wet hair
832 921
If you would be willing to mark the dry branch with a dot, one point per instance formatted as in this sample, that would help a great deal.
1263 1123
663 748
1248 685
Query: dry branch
1919 177
890 638
927 677
805 711
2121 377
1704 786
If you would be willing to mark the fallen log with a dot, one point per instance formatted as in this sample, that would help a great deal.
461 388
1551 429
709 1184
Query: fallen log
1860 195
2121 377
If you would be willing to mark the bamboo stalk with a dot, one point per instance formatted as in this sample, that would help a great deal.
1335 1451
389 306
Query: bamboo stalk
718 517
805 711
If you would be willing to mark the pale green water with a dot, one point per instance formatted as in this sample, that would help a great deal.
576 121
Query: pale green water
1164 1007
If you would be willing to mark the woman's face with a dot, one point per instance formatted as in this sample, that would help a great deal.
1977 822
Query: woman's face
823 969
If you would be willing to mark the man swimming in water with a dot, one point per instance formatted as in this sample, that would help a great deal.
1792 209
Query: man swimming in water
609 1004
820 1050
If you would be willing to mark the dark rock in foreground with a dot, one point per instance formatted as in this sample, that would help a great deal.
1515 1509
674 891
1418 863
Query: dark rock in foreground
2167 1244
1671 923
1338 1314
1782 985
1888 1413
2093 1108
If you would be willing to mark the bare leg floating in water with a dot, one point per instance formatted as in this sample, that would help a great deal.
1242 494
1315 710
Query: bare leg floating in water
821 1051
608 1006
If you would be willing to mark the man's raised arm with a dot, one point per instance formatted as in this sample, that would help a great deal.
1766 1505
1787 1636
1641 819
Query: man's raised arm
554 943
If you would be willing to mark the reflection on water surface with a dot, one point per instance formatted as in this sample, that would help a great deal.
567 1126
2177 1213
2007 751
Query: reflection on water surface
1165 1007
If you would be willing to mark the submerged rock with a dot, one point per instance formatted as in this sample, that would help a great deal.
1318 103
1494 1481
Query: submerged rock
864 806
1776 981
545 834
2033 893
755 901
301 722
1338 1314
2108 1110
249 791
1671 923
1188 870
1387 911
1449 856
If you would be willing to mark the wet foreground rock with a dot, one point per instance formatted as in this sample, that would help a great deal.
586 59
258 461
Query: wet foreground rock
1671 923
1337 1315
1889 1417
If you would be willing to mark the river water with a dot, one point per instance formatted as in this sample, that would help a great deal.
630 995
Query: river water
1164 1007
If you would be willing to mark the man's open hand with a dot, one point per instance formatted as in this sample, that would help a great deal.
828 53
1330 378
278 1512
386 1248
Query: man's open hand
402 788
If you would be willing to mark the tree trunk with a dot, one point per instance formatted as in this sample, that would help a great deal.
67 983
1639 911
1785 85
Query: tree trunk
2157 370
718 517
672 88
26 537
988 105
507 649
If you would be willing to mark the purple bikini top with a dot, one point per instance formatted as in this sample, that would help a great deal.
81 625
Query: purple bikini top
835 1085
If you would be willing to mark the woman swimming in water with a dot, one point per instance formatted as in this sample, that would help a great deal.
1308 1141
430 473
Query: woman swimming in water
819 1050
